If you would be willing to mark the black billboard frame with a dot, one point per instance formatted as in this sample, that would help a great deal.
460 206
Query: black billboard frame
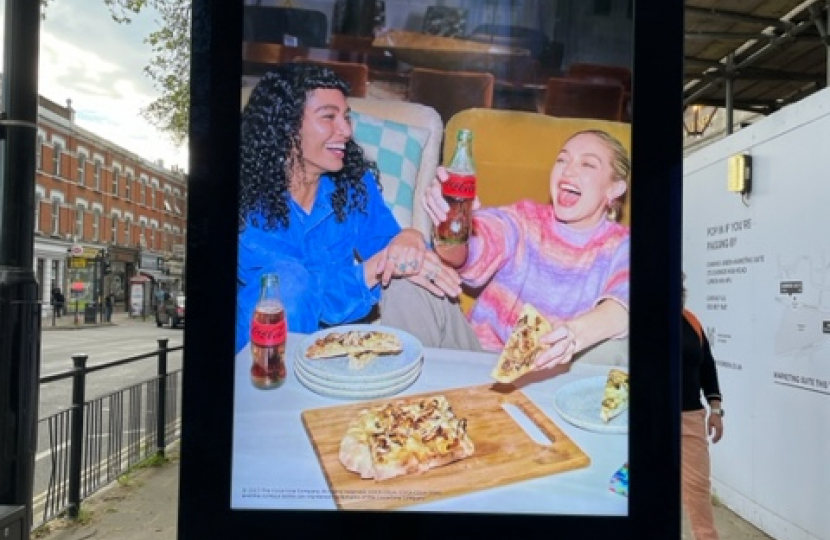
654 502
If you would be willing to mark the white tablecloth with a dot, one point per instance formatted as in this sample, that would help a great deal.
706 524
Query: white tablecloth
274 464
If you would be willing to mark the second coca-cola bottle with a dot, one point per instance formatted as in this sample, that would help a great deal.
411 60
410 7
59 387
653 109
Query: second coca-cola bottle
269 330
459 190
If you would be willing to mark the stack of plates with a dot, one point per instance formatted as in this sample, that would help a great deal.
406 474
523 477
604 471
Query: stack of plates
386 375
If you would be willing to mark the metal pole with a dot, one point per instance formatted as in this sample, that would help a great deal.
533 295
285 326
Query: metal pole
94 289
730 93
76 445
101 309
161 408
20 308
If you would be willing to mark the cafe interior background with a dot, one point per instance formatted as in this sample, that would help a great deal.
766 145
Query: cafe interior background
550 39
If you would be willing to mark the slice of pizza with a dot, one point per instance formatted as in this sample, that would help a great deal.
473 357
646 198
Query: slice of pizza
615 397
522 346
400 438
359 360
354 342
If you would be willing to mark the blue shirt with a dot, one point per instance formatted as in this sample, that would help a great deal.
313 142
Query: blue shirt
316 258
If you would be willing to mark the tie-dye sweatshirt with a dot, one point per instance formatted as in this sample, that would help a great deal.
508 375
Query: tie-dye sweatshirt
520 253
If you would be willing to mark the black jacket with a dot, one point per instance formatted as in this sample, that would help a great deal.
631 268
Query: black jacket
699 371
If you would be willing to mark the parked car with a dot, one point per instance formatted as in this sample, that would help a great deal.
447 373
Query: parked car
171 311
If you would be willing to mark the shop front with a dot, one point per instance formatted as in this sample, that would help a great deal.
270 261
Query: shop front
123 266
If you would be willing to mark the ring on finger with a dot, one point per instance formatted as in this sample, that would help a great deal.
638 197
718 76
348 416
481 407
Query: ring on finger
430 275
402 267
413 264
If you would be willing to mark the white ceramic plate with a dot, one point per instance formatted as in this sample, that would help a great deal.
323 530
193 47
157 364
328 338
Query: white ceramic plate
357 393
351 385
580 402
388 367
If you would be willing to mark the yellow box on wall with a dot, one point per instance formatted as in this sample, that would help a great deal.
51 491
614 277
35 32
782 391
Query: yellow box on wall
740 173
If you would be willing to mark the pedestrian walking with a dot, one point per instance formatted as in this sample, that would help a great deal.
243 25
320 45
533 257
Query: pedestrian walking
700 377
58 301
109 301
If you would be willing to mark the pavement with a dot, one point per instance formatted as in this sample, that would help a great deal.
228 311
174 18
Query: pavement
143 505
69 322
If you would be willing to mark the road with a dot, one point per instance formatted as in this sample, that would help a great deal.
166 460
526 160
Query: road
126 338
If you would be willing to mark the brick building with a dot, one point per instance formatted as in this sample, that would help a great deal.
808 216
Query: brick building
103 215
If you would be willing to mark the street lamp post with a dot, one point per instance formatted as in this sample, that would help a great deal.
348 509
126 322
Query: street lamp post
101 269
20 308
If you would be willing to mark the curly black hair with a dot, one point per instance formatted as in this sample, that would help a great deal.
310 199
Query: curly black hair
270 140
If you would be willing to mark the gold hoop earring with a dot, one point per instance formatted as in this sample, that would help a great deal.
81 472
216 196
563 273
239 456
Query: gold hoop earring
613 210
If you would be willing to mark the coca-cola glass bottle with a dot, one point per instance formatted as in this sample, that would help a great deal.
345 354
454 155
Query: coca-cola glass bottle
269 330
459 191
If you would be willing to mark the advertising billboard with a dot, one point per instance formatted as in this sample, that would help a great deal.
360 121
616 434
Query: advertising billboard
365 363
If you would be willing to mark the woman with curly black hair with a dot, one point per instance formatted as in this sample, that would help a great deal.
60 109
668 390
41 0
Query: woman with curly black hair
310 210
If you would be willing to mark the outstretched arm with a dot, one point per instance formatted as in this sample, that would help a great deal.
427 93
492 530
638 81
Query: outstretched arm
607 320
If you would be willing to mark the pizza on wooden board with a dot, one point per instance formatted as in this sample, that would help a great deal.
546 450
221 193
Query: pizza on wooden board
615 396
360 346
404 437
523 345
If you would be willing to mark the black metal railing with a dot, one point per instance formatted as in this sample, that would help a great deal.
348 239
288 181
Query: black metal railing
94 442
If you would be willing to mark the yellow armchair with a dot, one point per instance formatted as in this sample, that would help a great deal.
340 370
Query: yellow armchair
514 153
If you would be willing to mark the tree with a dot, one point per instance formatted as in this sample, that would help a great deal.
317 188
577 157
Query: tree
170 69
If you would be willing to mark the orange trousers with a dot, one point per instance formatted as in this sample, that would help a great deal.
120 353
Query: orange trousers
696 487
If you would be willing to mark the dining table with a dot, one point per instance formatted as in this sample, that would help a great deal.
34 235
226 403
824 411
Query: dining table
275 464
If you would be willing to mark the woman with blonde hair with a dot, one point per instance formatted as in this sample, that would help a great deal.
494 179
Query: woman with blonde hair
568 258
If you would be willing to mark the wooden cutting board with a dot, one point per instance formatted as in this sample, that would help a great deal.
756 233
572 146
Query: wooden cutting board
504 452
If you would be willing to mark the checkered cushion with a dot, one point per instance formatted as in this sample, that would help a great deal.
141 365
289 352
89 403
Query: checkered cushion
397 149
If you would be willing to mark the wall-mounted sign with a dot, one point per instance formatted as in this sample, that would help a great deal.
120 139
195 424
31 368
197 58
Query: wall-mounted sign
150 261
77 262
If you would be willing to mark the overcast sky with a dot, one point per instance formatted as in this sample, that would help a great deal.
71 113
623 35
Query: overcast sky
99 64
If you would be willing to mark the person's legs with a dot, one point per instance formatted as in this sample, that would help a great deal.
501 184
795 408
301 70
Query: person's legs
695 475
436 322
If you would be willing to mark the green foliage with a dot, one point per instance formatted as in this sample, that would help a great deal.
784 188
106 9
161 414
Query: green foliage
170 67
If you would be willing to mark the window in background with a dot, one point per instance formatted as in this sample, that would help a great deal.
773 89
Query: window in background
97 174
56 207
81 169
39 152
56 159
96 223
38 198
114 230
79 221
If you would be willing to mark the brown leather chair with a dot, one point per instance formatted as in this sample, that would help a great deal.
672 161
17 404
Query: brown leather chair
259 57
600 73
449 92
357 75
571 98
605 73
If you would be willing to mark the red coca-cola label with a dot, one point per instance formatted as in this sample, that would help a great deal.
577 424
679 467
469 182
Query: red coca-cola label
462 186
268 335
